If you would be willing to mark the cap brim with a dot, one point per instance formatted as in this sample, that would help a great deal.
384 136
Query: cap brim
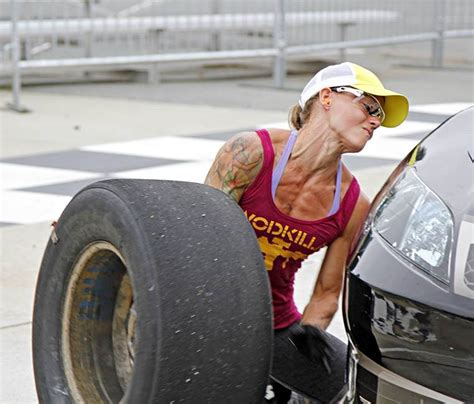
395 107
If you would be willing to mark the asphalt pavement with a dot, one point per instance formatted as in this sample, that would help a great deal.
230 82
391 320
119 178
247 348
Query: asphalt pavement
82 132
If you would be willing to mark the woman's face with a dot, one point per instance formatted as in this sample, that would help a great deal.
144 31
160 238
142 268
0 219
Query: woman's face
351 120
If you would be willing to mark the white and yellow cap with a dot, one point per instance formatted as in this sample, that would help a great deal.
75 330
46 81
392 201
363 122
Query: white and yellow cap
350 74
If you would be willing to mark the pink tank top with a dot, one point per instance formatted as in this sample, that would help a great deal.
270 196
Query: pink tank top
285 241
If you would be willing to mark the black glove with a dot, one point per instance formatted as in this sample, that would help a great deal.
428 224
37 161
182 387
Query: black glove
313 343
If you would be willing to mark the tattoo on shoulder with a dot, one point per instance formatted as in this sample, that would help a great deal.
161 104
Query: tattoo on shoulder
241 154
236 165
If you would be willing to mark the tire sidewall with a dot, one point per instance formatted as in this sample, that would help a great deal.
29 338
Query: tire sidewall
111 221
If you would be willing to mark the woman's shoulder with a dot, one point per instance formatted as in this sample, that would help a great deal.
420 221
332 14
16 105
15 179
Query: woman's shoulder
278 135
254 142
247 142
237 164
249 136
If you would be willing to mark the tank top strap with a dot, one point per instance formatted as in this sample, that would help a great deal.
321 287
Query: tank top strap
278 172
337 195
268 153
263 178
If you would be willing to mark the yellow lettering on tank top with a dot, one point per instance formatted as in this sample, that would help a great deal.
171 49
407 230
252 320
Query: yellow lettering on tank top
291 233
301 241
249 218
277 232
269 228
260 220
288 236
310 243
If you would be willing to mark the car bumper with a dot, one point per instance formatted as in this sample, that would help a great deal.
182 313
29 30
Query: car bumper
409 351
375 384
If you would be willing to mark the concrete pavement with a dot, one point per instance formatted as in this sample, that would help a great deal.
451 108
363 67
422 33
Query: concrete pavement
74 117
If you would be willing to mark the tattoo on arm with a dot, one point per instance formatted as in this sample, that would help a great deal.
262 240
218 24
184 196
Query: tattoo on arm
236 165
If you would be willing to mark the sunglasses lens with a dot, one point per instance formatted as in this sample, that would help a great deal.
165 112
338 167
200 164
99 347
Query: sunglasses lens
371 104
373 107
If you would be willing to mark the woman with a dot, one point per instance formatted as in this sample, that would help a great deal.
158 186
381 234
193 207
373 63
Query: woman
296 192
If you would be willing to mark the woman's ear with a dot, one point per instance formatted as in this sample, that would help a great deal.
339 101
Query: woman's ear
325 96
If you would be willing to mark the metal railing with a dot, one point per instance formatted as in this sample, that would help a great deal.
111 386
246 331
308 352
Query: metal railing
51 34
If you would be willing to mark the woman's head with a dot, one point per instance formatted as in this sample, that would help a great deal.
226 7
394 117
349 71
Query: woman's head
344 82
352 118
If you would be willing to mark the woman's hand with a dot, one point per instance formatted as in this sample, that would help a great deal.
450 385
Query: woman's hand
313 343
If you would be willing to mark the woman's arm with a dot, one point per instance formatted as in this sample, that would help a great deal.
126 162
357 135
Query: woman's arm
236 165
324 301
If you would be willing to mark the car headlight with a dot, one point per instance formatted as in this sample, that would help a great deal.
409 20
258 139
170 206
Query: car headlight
417 224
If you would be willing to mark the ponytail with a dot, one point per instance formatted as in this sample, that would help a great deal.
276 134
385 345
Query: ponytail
294 118
298 116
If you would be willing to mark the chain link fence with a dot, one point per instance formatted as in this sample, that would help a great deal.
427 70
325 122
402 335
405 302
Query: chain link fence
70 34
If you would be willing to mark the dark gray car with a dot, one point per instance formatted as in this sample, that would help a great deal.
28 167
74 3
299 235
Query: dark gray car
409 293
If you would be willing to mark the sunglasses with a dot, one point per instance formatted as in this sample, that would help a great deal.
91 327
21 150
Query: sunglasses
370 103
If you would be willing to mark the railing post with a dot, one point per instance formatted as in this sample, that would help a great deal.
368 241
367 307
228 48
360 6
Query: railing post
437 45
342 38
154 76
88 34
279 42
215 44
16 77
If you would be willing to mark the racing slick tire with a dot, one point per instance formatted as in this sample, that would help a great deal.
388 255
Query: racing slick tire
152 292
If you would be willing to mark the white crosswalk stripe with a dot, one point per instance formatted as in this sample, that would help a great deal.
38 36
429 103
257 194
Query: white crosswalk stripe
15 176
31 207
443 109
405 129
178 148
387 148
192 172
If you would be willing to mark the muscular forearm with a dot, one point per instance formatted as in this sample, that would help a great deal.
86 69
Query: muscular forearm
320 311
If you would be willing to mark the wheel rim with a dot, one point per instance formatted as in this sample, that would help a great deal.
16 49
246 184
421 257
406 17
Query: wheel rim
98 327
123 332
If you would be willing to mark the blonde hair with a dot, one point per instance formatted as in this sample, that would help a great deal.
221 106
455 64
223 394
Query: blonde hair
298 116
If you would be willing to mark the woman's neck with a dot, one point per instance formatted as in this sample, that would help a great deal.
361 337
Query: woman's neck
317 149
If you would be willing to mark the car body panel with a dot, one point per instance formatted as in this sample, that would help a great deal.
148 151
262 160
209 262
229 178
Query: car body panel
398 316
428 346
